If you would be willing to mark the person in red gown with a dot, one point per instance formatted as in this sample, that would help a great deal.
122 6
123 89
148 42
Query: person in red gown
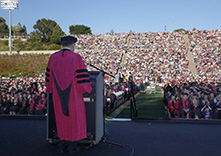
41 105
185 107
67 79
173 107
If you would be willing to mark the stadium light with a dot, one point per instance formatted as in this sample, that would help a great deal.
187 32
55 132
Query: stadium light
10 5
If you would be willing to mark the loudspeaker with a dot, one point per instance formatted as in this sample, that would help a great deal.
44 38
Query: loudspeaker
94 105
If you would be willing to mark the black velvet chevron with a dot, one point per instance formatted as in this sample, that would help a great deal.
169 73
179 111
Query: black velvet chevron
64 96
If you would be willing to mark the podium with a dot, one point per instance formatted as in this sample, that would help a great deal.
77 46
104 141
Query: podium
94 105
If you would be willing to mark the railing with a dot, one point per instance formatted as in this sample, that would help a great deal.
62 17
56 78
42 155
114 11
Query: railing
112 102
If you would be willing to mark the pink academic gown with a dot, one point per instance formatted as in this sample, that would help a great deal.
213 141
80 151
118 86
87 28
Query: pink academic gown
67 78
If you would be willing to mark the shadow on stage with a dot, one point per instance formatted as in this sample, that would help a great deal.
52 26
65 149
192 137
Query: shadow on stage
26 135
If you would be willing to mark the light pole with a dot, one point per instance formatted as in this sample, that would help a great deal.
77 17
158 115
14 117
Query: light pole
10 31
9 4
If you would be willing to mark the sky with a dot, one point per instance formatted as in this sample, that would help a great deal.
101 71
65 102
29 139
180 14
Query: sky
120 15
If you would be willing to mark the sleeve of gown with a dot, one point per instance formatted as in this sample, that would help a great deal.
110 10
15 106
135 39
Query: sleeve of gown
82 77
48 77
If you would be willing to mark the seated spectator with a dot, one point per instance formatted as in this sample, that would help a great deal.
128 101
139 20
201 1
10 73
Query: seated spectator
3 104
20 96
28 94
34 88
32 104
212 101
206 110
40 108
196 110
14 107
218 104
6 103
218 100
24 104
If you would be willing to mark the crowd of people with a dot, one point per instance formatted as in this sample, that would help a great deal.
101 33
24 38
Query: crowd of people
154 56
23 95
28 95
159 56
193 100
162 57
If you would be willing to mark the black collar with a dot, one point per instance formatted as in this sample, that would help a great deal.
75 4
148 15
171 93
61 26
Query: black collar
65 49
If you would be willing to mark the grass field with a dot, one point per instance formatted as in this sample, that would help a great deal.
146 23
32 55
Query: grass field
149 106
23 65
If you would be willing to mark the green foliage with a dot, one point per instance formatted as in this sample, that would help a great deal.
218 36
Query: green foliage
3 29
179 30
46 35
5 42
30 44
43 29
54 47
24 29
37 46
3 45
194 29
31 40
18 30
79 29
18 45
57 33
2 20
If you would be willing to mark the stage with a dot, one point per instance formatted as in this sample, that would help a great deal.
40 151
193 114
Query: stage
24 137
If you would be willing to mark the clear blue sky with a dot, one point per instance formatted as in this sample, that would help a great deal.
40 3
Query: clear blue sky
120 15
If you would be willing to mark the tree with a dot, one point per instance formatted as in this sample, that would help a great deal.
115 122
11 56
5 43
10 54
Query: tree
43 29
16 29
79 29
179 30
19 24
25 29
19 30
3 27
2 20
57 33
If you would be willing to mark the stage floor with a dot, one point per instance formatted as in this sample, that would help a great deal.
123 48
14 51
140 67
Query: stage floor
28 137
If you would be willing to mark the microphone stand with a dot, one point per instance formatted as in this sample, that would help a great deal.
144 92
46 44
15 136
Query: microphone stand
101 70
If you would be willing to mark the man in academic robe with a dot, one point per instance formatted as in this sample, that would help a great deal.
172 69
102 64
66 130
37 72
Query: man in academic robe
67 78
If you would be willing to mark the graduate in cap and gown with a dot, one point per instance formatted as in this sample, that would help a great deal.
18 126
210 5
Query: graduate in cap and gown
173 107
185 107
67 78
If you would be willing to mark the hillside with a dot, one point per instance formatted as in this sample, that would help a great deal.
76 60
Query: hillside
23 65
